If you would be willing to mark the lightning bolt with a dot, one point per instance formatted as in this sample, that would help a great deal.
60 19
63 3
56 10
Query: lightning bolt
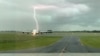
36 21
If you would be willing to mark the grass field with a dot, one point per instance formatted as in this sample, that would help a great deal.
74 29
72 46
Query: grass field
13 41
91 41
87 39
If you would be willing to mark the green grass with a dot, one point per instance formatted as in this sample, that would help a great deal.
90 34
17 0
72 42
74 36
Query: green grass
14 41
11 41
91 41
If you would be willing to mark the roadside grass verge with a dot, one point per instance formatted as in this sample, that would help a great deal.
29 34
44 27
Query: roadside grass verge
25 41
91 41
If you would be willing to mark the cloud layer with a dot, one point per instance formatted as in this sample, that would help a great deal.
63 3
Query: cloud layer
68 15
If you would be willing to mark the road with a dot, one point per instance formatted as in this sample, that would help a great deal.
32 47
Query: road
65 45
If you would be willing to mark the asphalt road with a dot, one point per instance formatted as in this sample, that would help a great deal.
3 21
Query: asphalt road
65 45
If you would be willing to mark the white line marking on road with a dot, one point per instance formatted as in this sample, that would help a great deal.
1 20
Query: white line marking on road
62 51
81 42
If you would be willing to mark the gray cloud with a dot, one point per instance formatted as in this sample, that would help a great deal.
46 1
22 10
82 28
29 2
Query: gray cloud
18 15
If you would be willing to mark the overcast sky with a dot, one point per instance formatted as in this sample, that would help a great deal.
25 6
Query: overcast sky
70 15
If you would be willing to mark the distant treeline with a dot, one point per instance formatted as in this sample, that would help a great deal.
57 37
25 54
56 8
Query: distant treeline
85 31
7 31
11 31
